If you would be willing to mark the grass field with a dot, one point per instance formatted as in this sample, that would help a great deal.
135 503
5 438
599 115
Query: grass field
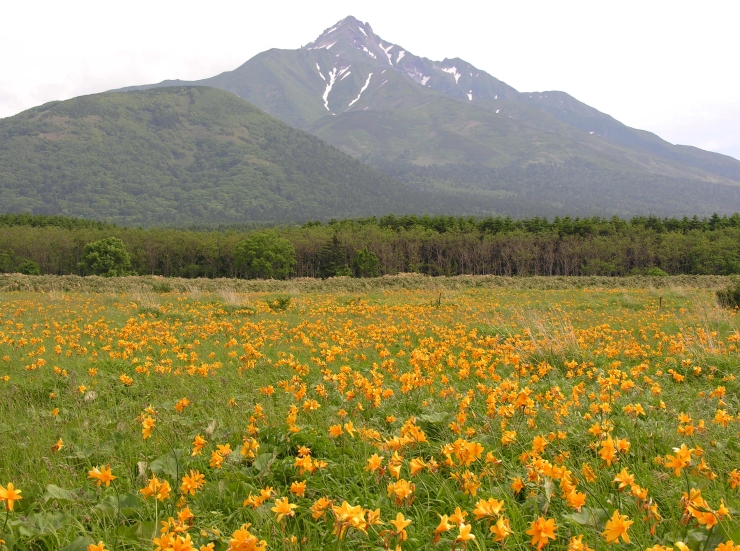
430 417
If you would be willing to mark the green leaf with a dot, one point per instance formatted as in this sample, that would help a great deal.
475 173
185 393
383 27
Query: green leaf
55 492
170 464
588 516
126 504
262 461
140 531
695 540
41 524
82 453
80 544
433 418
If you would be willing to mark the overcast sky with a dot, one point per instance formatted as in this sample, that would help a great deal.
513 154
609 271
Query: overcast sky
666 66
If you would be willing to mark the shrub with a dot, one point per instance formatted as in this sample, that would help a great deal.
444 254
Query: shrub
366 263
279 303
161 287
107 257
729 297
29 267
265 255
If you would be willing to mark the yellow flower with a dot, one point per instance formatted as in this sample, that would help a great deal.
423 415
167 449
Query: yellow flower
465 534
243 540
102 475
443 526
298 488
319 507
517 485
576 500
577 544
416 465
542 530
10 495
624 479
458 517
680 460
192 482
617 527
501 530
487 508
182 404
608 450
198 444
374 462
147 426
283 508
58 446
100 546
400 523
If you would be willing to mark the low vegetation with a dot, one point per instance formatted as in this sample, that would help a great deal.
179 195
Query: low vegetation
437 414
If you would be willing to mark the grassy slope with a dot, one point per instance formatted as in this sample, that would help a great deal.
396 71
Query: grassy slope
178 156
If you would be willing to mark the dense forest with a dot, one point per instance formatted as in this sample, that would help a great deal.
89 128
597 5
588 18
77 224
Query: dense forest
433 245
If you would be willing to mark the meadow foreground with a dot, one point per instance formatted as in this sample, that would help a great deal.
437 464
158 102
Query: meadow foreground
474 418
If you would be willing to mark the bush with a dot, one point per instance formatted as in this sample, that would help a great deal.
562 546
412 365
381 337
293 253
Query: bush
729 297
161 287
279 303
29 267
107 257
366 263
265 255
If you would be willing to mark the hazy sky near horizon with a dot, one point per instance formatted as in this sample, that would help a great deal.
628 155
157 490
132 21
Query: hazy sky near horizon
665 66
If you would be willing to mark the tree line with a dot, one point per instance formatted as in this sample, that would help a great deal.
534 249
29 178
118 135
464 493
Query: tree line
432 245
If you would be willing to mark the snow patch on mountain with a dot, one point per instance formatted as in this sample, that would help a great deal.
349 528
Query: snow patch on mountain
424 80
329 86
345 76
470 95
400 56
362 31
319 69
386 50
368 52
453 72
367 83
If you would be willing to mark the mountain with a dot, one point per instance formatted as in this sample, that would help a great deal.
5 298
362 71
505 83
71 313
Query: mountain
179 156
373 97
407 135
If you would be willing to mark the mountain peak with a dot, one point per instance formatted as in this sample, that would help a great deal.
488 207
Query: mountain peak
348 32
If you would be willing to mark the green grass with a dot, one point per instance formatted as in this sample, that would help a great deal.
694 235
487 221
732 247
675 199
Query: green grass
222 348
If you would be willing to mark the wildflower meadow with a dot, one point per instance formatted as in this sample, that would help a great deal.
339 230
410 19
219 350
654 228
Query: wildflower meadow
390 418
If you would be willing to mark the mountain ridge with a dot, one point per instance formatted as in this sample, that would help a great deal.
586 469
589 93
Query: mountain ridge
348 64
180 156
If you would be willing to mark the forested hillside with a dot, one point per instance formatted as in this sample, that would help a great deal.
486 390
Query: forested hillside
182 156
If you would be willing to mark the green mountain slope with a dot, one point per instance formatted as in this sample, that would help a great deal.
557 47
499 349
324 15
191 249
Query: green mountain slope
181 156
198 155
349 69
